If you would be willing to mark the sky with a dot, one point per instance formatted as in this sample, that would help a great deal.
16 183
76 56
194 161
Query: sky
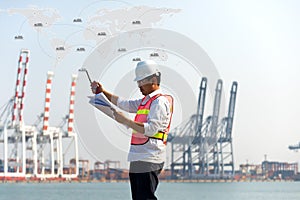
255 43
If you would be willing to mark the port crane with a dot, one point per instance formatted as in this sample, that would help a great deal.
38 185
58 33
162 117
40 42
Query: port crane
34 151
202 147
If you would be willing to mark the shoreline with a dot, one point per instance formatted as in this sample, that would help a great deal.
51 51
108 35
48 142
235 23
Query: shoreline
127 181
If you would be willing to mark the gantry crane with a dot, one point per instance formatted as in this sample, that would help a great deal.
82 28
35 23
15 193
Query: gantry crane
203 148
28 150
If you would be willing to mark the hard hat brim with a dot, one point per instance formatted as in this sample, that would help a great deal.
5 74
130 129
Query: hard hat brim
138 78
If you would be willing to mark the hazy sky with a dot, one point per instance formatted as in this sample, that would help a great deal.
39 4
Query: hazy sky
254 42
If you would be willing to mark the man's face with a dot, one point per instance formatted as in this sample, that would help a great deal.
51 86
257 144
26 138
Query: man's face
145 86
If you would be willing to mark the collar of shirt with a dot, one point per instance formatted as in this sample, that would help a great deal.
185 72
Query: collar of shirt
158 91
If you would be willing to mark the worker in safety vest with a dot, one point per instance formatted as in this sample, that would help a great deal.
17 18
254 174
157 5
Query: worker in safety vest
149 128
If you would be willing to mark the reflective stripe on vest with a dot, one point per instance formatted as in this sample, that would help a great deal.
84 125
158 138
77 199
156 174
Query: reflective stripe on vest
141 116
144 111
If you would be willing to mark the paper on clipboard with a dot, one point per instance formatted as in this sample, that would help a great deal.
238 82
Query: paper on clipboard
102 103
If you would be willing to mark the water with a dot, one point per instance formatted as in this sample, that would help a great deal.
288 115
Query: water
166 191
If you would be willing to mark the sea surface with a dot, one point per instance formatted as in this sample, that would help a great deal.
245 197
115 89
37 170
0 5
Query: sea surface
166 191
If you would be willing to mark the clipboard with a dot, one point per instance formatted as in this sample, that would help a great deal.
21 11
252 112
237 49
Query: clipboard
102 103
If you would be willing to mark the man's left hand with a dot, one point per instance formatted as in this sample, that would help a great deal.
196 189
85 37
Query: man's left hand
120 117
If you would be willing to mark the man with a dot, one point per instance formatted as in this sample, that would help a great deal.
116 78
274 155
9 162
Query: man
150 128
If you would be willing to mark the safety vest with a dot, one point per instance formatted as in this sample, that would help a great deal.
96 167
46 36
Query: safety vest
141 116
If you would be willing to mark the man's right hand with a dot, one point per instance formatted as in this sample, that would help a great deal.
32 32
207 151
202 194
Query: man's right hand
96 87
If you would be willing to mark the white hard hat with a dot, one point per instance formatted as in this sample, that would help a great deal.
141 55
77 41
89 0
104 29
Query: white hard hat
145 68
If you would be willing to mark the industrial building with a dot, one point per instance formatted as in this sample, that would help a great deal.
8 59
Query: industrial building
267 170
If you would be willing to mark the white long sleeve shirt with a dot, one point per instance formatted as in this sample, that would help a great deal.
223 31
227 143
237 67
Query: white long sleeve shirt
158 119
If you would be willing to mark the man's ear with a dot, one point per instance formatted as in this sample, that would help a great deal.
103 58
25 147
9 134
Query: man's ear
153 80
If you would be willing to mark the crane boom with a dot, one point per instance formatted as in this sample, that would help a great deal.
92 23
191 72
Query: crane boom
231 109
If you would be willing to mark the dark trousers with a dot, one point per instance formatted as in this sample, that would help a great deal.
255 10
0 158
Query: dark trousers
144 179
